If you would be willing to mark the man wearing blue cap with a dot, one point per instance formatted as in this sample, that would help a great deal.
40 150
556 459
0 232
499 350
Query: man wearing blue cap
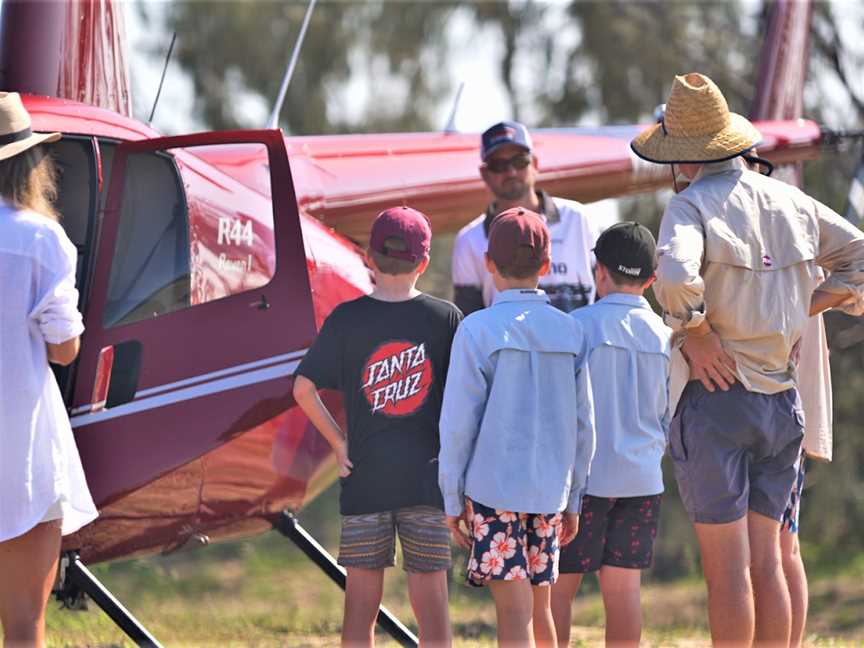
509 169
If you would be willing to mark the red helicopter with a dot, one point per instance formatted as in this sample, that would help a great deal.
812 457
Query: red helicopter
208 261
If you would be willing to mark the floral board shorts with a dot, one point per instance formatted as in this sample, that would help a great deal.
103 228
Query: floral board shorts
614 531
513 546
793 510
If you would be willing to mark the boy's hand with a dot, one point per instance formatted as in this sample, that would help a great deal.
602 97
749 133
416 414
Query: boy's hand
459 536
342 460
569 528
306 394
468 513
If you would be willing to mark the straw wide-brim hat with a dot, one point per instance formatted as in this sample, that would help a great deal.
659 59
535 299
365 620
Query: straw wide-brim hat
696 127
15 133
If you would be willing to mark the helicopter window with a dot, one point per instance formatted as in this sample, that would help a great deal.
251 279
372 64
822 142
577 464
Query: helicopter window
150 273
231 221
76 186
106 154
75 164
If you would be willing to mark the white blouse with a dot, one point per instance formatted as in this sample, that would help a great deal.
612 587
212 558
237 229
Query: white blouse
39 463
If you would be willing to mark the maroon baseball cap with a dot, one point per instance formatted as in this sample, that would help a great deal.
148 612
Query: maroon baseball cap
405 224
518 229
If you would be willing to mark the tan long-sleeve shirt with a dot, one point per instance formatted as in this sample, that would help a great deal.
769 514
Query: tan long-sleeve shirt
742 250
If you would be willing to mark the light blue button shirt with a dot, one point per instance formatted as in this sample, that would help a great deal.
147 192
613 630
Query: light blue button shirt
628 350
517 421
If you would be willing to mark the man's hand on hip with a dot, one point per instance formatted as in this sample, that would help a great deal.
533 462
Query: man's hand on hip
708 361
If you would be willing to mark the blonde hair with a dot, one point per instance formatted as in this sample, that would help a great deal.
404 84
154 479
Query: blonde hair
29 181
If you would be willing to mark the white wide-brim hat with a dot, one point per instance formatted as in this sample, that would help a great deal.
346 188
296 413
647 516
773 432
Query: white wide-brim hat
696 127
16 135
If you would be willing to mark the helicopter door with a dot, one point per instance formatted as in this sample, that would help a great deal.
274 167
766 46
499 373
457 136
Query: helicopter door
199 309
76 165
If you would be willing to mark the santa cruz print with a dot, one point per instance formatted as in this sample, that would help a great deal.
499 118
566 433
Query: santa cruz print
396 378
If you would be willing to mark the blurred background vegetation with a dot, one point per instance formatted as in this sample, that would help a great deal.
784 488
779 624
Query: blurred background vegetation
561 64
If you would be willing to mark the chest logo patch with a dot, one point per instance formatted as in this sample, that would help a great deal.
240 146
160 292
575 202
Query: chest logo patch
766 261
397 377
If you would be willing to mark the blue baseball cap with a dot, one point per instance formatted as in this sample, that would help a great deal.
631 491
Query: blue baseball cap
506 132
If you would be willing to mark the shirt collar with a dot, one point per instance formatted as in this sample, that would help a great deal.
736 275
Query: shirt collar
520 294
548 209
625 299
713 168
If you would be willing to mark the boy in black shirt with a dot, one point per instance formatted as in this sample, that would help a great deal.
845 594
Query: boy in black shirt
388 354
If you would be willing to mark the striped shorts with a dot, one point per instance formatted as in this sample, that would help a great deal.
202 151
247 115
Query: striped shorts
369 541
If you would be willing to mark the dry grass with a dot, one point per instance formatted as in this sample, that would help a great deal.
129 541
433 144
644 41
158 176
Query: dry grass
263 594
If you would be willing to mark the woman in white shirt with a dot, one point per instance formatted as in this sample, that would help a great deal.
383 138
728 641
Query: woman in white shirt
43 492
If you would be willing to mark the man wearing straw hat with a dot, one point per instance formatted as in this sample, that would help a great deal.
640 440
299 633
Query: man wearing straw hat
736 277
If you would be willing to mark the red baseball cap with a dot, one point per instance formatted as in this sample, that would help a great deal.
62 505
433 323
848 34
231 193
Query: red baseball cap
405 224
518 229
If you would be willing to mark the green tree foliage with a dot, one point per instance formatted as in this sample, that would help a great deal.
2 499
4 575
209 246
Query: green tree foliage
521 28
631 50
233 47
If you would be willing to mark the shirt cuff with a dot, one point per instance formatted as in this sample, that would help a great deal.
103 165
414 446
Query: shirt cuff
574 505
56 330
454 503
693 319
854 305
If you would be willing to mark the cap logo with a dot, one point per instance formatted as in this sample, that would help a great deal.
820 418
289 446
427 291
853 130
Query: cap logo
766 261
633 272
503 133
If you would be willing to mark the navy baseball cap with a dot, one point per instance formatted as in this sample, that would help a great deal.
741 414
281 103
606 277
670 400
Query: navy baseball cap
628 249
506 132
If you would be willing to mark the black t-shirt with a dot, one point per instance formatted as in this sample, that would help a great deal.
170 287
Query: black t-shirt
389 360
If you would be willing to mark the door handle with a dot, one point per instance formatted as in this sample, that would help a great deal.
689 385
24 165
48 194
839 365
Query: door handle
261 304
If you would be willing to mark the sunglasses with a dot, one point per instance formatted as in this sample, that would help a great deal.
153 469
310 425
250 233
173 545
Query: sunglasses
517 162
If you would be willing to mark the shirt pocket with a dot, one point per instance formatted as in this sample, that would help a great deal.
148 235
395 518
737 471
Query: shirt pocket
774 239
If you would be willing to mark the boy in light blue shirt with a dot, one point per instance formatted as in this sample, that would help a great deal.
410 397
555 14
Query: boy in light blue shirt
517 433
628 356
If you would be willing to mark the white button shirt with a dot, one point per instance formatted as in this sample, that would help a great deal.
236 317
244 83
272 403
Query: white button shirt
39 464
570 280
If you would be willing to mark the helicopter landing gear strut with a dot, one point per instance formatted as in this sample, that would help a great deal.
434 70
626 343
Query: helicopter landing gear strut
76 581
286 524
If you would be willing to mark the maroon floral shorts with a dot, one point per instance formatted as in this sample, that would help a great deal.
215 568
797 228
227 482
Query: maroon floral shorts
616 531
513 546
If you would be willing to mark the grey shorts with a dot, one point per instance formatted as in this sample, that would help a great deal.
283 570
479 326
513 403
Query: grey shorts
369 541
735 451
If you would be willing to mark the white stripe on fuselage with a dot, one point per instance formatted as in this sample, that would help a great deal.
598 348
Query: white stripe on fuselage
198 386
